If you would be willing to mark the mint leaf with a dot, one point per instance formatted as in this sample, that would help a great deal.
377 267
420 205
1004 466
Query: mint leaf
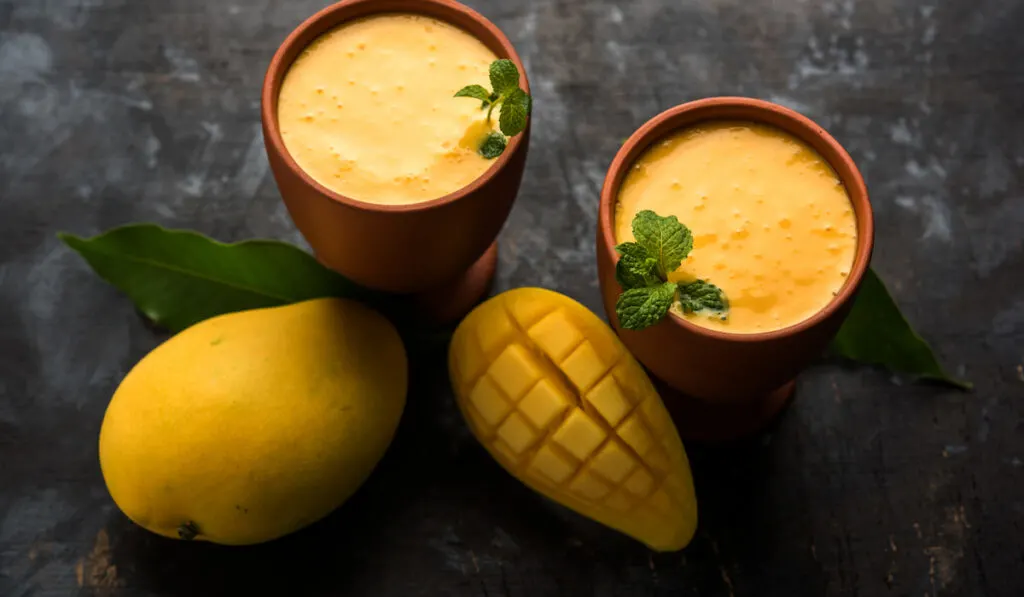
636 275
514 110
639 308
504 76
701 295
636 268
665 238
476 91
493 145
632 250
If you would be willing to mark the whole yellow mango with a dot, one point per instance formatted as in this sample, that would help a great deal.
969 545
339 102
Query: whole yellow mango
558 401
251 425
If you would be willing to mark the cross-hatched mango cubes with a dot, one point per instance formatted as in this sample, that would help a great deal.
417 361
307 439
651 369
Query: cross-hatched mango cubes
556 399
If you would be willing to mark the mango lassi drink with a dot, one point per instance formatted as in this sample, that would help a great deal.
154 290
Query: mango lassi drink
367 111
772 224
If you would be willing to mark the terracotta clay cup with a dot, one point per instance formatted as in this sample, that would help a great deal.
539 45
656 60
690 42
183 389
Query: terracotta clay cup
721 385
441 251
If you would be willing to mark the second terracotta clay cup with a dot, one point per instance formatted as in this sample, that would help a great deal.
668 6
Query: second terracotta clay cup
424 247
716 368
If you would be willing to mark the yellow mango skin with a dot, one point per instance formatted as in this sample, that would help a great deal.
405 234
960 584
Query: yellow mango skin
558 401
254 424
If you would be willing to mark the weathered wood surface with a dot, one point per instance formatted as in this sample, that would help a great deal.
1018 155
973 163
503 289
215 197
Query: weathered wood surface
114 111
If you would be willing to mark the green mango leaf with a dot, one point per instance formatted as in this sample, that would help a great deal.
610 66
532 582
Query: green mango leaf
180 277
876 333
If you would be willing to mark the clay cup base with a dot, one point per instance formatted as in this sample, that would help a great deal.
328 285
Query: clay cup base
698 420
451 302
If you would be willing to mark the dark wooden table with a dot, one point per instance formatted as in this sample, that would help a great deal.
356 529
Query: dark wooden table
113 111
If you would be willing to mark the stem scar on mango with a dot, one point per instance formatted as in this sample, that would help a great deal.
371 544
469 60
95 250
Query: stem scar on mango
188 531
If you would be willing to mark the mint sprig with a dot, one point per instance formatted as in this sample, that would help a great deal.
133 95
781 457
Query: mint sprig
515 103
662 243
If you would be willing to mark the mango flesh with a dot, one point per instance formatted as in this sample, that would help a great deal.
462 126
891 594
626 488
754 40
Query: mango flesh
251 425
558 401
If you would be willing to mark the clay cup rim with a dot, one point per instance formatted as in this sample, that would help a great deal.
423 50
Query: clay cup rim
763 112
449 11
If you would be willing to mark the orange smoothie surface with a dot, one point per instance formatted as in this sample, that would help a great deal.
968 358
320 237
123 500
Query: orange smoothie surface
367 110
772 224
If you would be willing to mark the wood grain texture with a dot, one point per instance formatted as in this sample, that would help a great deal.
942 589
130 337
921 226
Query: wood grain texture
114 111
